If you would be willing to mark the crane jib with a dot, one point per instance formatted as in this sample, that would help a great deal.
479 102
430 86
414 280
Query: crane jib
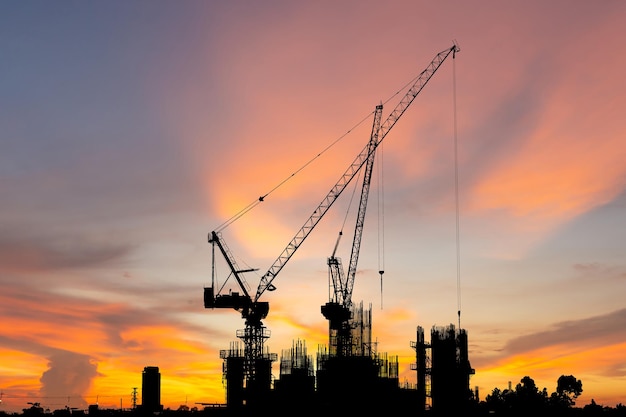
353 169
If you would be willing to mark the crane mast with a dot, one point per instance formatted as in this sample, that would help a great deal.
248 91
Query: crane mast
253 310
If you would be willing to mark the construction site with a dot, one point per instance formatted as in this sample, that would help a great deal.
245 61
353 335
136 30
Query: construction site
347 374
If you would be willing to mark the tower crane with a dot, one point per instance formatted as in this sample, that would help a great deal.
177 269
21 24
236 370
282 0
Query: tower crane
254 311
338 310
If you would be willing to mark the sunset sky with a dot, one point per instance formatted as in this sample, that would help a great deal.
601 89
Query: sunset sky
132 129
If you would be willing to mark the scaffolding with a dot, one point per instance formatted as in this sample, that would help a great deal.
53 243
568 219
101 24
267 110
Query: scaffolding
296 385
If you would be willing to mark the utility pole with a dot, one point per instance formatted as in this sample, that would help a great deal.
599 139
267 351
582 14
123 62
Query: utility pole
134 397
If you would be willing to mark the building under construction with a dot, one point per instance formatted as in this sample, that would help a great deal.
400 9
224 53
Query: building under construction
443 370
361 380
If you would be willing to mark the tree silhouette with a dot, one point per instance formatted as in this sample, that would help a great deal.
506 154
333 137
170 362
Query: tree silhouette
526 398
569 387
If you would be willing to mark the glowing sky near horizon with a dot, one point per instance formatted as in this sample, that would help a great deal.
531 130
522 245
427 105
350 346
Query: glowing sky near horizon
131 129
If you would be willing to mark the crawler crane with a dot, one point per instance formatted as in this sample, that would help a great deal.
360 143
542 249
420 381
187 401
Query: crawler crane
251 308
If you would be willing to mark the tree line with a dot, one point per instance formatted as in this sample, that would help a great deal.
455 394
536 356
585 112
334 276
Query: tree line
527 398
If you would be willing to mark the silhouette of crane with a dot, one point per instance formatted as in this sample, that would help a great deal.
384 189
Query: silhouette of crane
252 309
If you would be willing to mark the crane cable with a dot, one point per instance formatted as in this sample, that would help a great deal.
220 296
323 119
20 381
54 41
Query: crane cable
381 222
345 218
259 200
456 194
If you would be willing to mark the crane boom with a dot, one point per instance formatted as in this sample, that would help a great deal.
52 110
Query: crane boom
318 213
362 157
385 127
336 268
415 89
346 296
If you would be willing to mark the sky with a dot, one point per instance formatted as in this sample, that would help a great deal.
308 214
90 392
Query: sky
132 129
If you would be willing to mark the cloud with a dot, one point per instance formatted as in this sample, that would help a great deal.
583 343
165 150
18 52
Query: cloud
26 254
591 332
69 375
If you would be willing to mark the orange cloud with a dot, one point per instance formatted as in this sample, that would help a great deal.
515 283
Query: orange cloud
553 180
18 367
